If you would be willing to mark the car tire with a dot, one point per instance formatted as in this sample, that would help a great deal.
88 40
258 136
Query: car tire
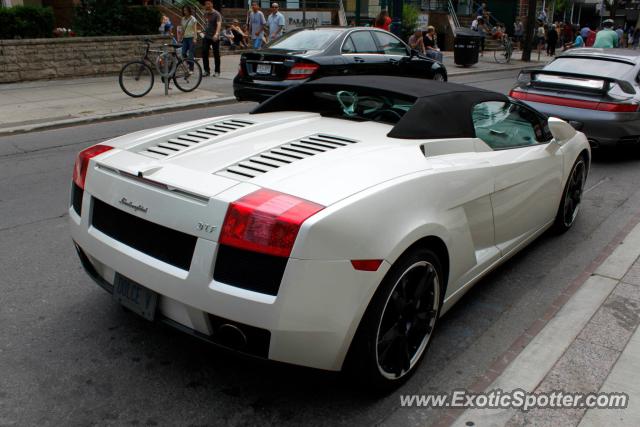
397 327
571 197
439 77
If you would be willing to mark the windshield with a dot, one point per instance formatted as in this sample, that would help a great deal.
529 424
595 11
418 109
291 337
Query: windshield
594 67
305 40
360 105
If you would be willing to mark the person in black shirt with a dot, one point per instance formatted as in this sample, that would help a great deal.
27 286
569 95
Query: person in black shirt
211 39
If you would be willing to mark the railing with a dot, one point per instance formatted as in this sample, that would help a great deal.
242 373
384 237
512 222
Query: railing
342 15
453 14
176 9
491 22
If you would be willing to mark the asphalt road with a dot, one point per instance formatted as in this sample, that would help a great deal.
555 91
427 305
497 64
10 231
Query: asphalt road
70 356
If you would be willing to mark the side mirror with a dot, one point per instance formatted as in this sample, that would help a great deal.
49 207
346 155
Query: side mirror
413 53
561 130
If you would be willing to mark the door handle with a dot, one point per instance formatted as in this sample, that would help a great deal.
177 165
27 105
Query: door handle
358 59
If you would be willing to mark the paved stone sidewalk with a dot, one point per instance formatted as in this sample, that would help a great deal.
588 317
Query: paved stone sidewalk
41 104
592 344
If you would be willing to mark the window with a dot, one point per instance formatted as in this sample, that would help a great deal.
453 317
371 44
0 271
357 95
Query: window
306 40
348 46
362 104
594 67
363 42
505 125
390 45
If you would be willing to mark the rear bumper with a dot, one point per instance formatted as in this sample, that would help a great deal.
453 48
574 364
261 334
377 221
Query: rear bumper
310 322
603 129
259 91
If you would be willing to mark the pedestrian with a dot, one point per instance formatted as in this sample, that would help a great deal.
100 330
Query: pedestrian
540 37
240 38
166 27
518 33
542 16
189 34
479 26
383 21
256 25
430 40
482 10
275 22
636 38
416 41
591 39
584 32
578 42
620 33
211 38
567 33
552 40
606 37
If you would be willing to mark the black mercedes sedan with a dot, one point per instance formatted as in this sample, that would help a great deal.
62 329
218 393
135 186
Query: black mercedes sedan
596 90
310 53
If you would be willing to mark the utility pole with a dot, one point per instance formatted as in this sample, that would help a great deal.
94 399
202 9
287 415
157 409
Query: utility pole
304 13
529 31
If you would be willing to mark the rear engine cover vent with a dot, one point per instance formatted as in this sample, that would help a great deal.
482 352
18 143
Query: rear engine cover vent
283 155
180 143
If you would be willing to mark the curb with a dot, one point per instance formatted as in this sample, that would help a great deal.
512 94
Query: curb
464 71
16 130
451 416
20 129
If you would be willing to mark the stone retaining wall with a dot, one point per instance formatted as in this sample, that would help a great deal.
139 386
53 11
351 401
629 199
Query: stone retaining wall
38 59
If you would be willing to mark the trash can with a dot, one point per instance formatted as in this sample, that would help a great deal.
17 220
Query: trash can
466 47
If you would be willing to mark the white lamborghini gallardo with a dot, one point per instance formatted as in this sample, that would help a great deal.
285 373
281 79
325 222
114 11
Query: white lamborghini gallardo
333 225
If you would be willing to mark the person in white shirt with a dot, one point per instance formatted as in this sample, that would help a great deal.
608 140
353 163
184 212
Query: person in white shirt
275 22
256 24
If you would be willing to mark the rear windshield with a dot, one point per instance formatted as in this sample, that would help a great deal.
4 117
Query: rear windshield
359 105
305 40
594 67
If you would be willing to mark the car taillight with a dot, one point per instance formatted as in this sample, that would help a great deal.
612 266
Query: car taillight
302 71
618 107
82 162
574 103
366 264
266 221
240 70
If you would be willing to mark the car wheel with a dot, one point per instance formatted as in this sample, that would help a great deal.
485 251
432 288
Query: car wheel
571 197
397 327
439 77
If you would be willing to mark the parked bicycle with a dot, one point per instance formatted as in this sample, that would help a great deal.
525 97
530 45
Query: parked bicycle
137 77
503 55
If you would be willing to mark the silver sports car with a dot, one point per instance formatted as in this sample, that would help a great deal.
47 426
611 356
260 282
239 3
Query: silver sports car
595 90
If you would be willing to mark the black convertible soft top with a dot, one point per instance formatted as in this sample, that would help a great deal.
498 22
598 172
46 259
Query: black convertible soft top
441 110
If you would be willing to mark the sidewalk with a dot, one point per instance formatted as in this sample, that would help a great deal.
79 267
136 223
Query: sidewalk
45 104
589 341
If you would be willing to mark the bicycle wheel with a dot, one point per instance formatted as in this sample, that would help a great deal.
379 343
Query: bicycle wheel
136 79
188 75
502 56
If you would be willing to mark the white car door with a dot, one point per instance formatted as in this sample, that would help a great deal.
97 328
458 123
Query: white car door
528 170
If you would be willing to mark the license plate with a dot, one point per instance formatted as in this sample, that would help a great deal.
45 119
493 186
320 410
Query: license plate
263 69
135 297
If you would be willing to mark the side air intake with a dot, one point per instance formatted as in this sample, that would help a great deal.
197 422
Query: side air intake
205 134
283 155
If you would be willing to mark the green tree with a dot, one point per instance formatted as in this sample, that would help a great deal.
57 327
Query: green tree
410 15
